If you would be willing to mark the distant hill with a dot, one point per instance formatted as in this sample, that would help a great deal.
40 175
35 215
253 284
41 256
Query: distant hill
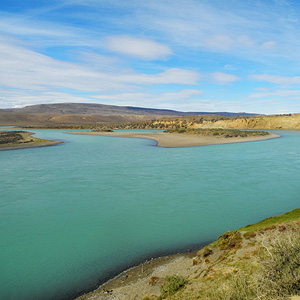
102 109
87 114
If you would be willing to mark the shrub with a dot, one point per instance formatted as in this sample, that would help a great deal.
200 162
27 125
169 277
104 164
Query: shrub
238 287
171 285
10 136
280 275
277 277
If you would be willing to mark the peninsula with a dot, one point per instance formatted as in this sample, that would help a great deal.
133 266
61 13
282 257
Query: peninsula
12 140
171 139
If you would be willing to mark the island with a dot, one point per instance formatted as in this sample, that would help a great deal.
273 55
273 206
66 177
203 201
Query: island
12 140
189 137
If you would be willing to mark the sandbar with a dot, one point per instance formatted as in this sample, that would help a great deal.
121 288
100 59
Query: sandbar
171 140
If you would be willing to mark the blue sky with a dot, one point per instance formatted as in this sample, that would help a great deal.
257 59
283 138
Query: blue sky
189 55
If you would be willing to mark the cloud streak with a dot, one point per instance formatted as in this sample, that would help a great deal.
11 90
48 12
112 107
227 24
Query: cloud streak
33 72
276 79
224 78
137 47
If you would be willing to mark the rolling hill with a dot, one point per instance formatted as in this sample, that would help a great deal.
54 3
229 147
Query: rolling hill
88 114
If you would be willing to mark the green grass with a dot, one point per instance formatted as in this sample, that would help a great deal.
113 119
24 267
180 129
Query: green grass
218 132
289 216
171 285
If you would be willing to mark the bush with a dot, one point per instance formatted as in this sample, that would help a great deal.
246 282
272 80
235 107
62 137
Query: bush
238 287
10 136
171 285
280 275
277 277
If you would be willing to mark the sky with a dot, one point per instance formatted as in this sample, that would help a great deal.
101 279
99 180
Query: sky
187 55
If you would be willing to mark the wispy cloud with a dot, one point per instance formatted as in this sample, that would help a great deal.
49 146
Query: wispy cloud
137 47
224 78
291 94
89 50
162 100
235 26
276 79
29 71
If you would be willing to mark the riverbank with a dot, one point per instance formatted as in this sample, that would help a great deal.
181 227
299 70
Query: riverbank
28 141
144 279
171 140
238 265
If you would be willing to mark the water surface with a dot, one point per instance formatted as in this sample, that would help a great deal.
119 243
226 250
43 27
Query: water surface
72 214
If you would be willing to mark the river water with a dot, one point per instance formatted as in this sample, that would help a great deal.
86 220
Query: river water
73 215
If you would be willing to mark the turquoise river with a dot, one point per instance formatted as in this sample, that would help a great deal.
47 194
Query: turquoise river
73 215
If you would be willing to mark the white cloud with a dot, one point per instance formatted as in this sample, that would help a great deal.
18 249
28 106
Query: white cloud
229 67
276 79
244 29
269 45
124 46
223 78
137 47
291 94
43 33
27 69
224 42
158 100
170 76
38 77
219 42
167 96
16 98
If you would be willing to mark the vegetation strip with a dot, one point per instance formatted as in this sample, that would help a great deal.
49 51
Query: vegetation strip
218 132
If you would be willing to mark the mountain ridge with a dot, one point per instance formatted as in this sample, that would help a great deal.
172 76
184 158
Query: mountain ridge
89 114
95 108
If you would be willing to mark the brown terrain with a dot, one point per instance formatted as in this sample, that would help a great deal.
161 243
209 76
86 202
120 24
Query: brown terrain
290 121
173 140
85 114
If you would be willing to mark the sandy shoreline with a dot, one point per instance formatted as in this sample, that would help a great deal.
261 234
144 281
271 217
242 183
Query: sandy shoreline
134 283
36 145
171 140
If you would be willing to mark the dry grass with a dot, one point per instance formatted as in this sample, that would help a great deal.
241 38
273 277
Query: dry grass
277 277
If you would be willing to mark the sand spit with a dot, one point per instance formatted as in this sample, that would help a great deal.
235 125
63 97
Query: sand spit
30 142
171 140
34 145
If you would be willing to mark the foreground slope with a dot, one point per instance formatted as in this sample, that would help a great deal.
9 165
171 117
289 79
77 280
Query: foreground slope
260 261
